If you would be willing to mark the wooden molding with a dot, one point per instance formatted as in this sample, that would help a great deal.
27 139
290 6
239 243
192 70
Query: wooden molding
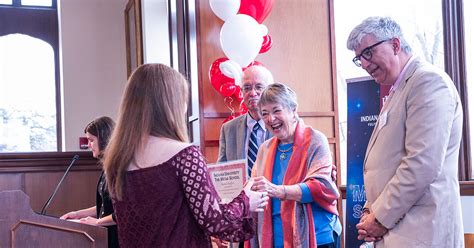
467 188
46 161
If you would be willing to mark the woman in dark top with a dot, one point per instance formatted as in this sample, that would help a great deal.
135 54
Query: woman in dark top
162 193
98 133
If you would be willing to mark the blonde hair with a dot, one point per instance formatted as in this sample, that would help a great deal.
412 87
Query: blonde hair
154 103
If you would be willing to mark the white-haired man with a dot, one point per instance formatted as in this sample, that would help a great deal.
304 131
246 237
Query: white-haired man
411 163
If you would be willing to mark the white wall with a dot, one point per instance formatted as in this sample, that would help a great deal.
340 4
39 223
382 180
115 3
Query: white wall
93 63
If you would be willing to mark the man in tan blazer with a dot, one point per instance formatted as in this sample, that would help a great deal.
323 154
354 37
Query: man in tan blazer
411 163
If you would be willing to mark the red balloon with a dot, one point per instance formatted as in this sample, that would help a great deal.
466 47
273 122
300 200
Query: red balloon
252 64
216 77
258 9
238 94
228 119
266 44
228 89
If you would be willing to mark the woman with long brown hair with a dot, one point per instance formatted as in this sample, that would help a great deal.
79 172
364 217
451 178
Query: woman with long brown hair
163 196
98 133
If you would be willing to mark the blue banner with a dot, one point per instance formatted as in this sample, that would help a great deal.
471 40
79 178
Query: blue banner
363 107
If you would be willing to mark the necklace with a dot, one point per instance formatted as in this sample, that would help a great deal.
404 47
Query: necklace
283 155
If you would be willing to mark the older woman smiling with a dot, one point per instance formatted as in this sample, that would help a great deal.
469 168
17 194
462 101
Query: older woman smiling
295 168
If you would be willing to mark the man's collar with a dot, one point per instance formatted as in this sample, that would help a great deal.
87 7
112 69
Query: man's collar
251 122
401 75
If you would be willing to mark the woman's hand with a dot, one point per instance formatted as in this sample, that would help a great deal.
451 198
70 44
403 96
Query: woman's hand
71 215
261 184
90 221
79 213
257 200
220 243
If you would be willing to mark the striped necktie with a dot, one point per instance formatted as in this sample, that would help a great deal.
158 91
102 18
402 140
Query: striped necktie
253 149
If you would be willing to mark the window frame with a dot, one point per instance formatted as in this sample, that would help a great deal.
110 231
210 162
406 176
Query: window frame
25 21
17 4
455 66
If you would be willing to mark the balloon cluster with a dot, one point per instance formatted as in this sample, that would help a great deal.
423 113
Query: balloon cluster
242 38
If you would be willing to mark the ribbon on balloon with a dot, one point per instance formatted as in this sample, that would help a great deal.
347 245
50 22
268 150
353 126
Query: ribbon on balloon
228 102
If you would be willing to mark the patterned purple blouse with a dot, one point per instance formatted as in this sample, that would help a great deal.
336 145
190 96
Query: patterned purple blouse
175 205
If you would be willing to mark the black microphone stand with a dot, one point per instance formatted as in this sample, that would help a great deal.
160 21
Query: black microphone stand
43 210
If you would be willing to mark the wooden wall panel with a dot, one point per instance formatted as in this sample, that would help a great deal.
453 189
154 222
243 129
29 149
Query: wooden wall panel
76 192
212 128
212 152
333 150
209 49
323 124
37 174
11 181
300 55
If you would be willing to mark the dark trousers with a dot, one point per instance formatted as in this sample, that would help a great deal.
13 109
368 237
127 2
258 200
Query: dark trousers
335 244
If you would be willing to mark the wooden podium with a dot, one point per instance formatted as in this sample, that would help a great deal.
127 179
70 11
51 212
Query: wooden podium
21 227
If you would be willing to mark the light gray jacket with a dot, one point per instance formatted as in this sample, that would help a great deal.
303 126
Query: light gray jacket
233 139
411 164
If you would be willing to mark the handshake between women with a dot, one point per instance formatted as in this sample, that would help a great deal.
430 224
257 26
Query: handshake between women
257 200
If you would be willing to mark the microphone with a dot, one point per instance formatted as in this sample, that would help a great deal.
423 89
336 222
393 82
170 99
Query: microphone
43 210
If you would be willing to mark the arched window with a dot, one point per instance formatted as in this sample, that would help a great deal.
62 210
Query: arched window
27 95
29 76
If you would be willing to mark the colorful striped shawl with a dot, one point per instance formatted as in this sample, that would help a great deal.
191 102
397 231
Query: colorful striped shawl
311 163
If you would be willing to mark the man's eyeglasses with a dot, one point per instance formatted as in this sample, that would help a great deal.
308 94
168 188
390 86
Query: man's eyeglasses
366 53
246 88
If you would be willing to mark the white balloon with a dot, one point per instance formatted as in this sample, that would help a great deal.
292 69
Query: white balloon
241 39
263 30
232 69
225 8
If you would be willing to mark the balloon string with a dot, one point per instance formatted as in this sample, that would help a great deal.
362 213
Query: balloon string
228 101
